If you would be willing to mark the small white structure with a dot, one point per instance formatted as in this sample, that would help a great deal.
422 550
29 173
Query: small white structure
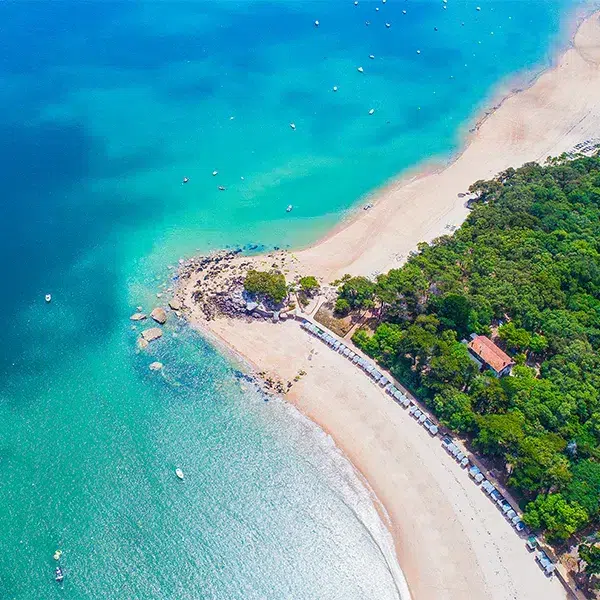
335 88
48 298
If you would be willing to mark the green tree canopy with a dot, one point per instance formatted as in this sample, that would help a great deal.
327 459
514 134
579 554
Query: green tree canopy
270 284
559 518
309 285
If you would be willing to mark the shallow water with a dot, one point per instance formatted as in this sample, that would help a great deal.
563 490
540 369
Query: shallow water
105 107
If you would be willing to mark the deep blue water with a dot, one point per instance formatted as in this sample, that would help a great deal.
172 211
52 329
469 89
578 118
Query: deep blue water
105 107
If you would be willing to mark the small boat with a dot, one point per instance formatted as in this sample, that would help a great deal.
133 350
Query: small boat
215 173
57 554
293 126
335 88
185 180
360 70
179 473
316 23
48 298
388 25
58 574
372 56
289 208
221 188
367 206
371 111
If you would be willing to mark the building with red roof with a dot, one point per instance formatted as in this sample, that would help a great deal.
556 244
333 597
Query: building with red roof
492 357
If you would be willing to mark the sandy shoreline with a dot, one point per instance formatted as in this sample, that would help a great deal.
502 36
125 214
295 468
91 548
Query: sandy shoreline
551 116
451 541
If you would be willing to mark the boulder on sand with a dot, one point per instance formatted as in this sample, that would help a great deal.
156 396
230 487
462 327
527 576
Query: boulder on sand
156 366
138 316
175 303
149 335
159 315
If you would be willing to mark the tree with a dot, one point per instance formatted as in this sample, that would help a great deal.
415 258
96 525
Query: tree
454 311
559 518
516 339
450 364
538 343
454 410
270 284
585 486
590 555
500 433
342 307
358 292
309 285
539 463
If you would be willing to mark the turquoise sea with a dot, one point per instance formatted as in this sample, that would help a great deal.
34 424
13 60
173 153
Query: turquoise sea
105 107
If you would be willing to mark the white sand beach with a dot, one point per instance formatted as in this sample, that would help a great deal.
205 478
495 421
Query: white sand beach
452 542
561 109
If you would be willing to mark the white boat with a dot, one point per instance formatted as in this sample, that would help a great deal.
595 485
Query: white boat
371 111
293 125
360 70
48 298
179 473
289 208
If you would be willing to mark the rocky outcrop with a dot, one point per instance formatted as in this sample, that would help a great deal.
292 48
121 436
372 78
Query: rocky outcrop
159 315
138 316
175 304
149 335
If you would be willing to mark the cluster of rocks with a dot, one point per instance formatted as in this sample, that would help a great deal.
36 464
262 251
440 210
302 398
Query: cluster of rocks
159 315
274 385
219 285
